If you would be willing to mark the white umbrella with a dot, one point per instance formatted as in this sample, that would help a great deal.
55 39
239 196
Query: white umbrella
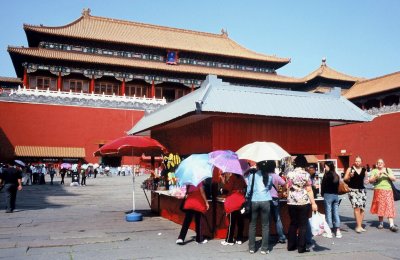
262 151
19 162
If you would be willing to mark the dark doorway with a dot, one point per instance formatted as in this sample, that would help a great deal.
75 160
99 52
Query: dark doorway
344 162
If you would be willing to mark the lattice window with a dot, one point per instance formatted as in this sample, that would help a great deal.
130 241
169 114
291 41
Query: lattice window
132 90
107 88
43 82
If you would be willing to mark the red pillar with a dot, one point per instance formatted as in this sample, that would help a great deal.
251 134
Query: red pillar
59 82
153 89
91 87
25 80
122 91
192 88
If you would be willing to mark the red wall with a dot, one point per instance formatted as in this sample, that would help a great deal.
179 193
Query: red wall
373 140
219 132
63 126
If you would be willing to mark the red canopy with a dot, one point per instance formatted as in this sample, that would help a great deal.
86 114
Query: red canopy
132 145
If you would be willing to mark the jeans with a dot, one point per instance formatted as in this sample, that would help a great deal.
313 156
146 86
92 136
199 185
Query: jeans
262 207
331 202
275 210
10 192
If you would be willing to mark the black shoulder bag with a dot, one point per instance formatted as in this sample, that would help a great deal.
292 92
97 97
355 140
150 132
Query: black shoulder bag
396 192
246 209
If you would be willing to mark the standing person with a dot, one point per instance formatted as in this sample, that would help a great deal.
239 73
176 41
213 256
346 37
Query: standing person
28 175
355 177
329 190
63 171
197 195
260 203
52 172
95 173
11 178
234 187
83 177
300 196
383 202
275 207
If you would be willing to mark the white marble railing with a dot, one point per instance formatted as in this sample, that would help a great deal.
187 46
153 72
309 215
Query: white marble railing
84 99
81 95
384 109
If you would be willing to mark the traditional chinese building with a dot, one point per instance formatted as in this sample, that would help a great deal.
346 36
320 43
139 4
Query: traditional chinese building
97 64
377 139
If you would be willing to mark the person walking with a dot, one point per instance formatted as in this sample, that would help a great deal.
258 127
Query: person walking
383 202
234 187
275 207
11 178
260 204
195 205
356 176
63 171
300 196
329 190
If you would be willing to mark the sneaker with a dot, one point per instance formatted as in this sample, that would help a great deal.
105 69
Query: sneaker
281 241
225 243
179 242
394 228
264 252
251 251
380 226
339 234
239 242
327 235
202 242
358 230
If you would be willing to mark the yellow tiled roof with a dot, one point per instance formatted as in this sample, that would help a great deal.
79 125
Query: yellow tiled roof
154 65
326 72
118 31
375 85
10 80
44 151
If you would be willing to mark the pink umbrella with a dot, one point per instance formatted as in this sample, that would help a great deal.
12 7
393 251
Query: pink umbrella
66 166
228 161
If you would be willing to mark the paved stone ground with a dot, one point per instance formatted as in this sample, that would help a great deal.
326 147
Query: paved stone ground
63 222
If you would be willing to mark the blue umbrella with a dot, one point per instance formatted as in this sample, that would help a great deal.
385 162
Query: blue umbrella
194 169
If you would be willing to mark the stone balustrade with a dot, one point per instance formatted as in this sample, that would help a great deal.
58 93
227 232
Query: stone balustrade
84 99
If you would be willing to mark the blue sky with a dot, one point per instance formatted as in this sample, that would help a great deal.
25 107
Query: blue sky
359 38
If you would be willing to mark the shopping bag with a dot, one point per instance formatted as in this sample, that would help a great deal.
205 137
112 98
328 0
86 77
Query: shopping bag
319 225
233 202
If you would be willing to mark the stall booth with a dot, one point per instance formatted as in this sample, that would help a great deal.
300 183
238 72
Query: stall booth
220 116
215 222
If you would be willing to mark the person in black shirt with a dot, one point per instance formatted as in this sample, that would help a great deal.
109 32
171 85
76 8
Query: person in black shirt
329 190
356 176
11 178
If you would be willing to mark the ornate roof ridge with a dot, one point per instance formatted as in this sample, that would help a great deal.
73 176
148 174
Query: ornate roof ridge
27 26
